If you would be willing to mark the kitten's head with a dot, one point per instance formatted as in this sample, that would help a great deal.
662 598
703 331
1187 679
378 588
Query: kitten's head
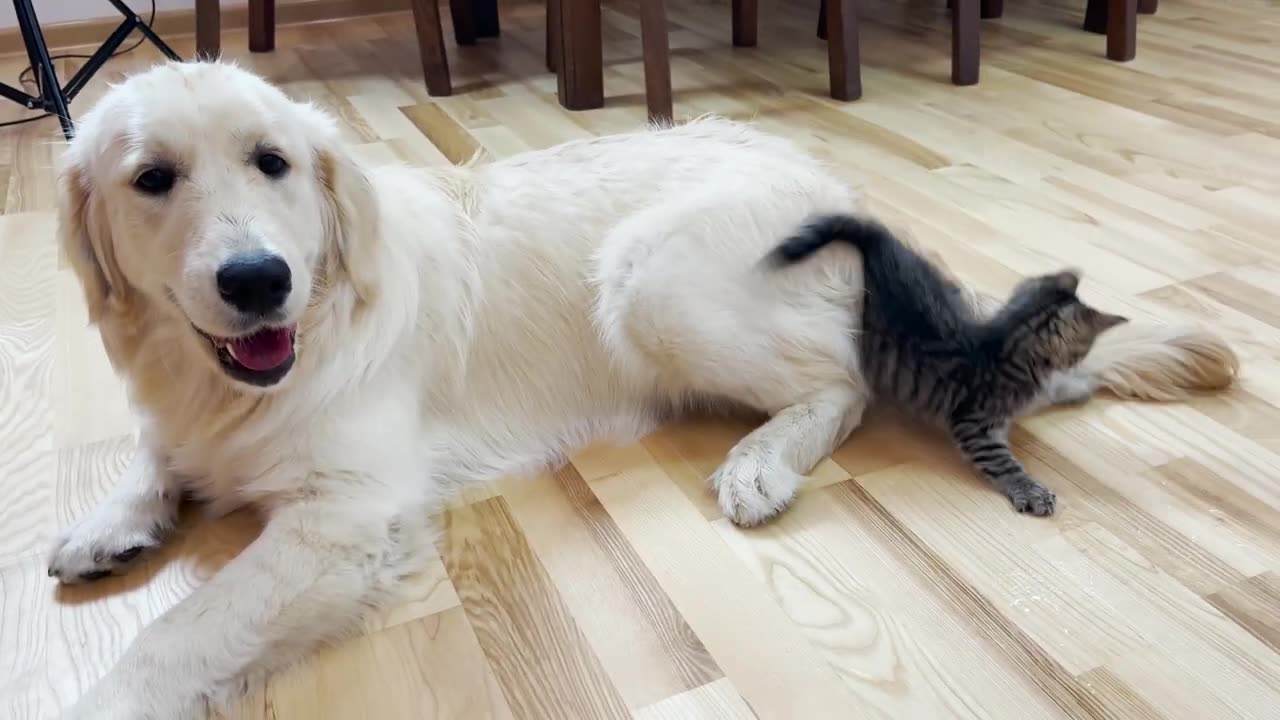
1048 325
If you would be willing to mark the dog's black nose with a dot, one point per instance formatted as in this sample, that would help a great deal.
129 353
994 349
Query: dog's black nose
258 283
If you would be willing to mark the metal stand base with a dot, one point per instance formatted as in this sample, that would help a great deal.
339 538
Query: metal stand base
54 98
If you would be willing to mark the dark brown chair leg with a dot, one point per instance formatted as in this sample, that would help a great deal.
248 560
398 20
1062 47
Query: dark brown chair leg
581 69
553 35
842 50
1122 29
822 19
992 9
965 42
208 29
435 64
262 25
463 14
486 18
746 14
1095 17
656 47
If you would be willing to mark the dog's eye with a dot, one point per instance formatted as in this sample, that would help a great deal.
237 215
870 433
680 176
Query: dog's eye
272 165
155 181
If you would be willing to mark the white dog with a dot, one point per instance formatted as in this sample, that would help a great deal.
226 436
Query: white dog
341 345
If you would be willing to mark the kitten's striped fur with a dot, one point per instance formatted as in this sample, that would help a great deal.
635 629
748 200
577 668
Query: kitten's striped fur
923 349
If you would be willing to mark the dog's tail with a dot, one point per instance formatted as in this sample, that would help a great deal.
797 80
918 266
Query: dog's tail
1151 361
1161 362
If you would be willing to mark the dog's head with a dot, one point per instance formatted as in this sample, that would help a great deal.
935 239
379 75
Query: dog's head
199 195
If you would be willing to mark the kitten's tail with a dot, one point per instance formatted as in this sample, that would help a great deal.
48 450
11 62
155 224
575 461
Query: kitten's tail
869 236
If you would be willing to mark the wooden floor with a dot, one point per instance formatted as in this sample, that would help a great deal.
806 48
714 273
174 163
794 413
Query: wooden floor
899 586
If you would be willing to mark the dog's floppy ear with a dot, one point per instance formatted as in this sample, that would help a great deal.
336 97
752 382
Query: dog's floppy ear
85 239
353 226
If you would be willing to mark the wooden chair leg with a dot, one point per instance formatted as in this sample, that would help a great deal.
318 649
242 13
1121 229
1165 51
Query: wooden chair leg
842 50
822 19
553 35
208 29
581 66
746 21
656 49
1095 17
435 64
992 9
486 18
965 42
262 25
463 14
1122 29
1097 20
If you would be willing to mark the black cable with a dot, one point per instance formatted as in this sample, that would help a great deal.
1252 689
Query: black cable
22 76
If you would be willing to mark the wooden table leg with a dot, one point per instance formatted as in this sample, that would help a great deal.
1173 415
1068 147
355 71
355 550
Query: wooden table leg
965 42
1122 29
992 9
1148 7
822 19
746 21
208 29
581 69
842 50
657 59
262 25
435 63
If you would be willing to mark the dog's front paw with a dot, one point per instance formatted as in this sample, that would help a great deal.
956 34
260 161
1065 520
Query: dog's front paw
110 539
752 487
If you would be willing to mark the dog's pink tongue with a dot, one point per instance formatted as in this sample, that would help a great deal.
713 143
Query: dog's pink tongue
263 350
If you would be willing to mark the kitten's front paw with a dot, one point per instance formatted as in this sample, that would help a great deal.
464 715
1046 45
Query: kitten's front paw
752 487
1034 498
110 539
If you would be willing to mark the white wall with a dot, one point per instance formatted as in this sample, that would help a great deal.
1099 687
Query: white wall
59 11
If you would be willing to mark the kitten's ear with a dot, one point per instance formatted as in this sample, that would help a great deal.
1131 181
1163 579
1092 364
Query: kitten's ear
1106 321
1067 280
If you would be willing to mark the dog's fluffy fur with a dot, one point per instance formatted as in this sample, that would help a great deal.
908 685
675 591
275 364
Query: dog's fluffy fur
454 325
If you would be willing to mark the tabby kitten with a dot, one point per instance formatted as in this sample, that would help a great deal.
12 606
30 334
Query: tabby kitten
922 347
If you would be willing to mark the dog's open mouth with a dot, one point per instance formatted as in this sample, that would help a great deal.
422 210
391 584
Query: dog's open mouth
261 358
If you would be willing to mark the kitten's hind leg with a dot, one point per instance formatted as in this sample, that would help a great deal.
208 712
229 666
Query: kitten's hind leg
986 445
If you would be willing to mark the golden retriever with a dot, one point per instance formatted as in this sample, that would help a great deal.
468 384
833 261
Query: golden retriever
341 345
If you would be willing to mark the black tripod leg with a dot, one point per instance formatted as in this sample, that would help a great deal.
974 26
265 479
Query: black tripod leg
42 65
142 27
155 40
98 59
